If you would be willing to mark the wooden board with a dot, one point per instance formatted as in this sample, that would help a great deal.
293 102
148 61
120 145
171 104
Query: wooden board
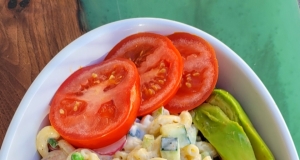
30 36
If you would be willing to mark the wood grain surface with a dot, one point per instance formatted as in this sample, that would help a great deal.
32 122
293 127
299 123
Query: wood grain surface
31 34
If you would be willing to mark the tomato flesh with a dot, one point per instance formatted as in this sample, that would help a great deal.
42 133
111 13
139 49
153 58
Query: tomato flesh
159 65
97 104
200 72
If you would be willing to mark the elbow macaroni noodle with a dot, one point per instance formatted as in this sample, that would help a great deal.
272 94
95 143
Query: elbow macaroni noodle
186 119
120 155
190 152
42 139
132 143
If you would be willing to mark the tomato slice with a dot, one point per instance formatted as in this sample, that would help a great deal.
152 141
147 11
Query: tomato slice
97 104
159 64
200 72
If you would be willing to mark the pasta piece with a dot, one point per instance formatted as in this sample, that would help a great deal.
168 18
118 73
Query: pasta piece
105 157
186 119
190 152
145 123
158 159
65 146
42 139
141 154
121 155
138 154
56 155
88 155
146 120
207 147
155 125
132 143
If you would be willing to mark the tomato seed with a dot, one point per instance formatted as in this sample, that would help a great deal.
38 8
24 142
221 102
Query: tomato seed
162 64
151 91
196 74
61 111
141 53
155 86
189 85
96 82
111 77
161 81
188 79
75 108
94 75
163 70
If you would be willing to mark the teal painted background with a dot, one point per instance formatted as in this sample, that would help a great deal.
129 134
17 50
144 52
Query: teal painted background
265 33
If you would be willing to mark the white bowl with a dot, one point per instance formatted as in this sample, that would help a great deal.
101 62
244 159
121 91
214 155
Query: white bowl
234 75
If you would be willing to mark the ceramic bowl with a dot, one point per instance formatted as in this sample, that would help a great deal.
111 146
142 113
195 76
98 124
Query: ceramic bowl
234 75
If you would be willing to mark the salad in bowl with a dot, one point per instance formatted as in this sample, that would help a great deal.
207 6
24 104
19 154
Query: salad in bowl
147 89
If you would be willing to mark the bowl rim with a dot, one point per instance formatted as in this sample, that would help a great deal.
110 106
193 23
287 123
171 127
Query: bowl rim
59 57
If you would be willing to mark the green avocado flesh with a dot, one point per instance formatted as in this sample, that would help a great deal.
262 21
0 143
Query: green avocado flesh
230 106
227 136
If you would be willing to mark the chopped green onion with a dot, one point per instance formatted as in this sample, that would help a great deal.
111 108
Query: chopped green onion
77 156
52 142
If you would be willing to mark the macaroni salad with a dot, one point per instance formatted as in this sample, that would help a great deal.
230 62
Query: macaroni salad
159 136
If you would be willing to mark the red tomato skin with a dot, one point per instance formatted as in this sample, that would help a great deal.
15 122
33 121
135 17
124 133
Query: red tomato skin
100 138
173 58
189 98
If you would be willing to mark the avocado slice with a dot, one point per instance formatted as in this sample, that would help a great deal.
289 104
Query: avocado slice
231 107
227 136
